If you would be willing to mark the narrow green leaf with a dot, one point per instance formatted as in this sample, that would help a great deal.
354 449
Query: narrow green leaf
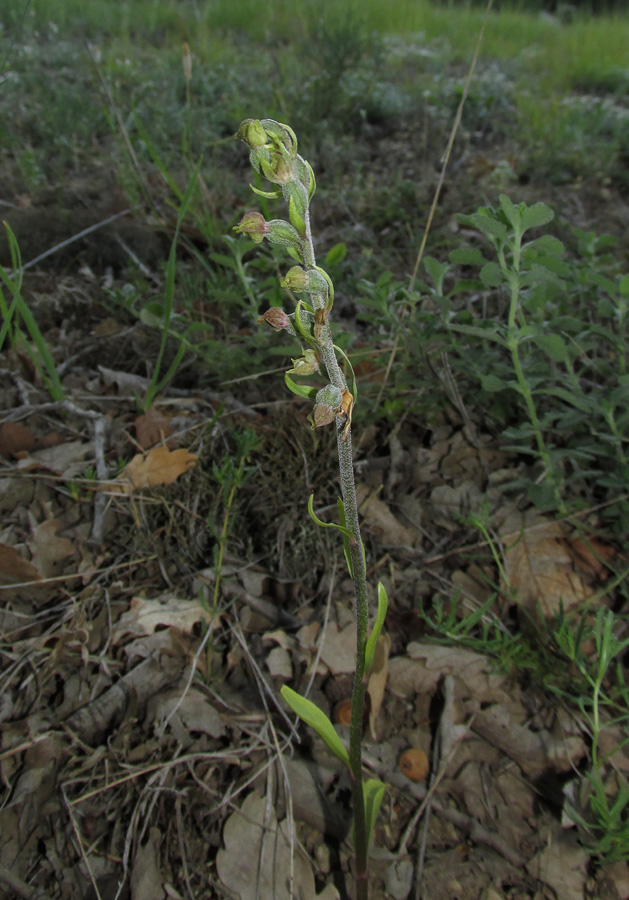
270 195
301 329
309 713
353 385
579 401
345 531
301 390
312 186
624 286
156 158
370 649
169 288
43 360
373 791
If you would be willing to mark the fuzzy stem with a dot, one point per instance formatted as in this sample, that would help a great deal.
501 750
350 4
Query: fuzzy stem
348 491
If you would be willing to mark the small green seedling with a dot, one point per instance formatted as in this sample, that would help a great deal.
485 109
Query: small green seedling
273 154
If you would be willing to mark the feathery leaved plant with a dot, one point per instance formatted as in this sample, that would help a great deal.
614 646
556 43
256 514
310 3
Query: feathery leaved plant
273 154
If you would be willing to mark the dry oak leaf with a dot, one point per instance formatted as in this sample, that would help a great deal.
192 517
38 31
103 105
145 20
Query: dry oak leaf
14 568
153 427
540 568
66 460
256 861
424 665
48 549
159 466
144 616
380 521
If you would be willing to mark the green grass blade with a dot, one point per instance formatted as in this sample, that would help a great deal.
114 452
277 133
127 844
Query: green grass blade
169 294
42 359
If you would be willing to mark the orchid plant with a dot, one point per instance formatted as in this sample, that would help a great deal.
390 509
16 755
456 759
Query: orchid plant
273 154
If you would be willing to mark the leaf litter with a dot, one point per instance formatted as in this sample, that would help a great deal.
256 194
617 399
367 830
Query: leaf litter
143 741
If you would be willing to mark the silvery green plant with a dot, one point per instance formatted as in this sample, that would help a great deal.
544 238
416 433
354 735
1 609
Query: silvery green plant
273 154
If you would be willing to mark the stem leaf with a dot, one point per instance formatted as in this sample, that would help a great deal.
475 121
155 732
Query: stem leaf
370 649
344 531
270 195
374 793
302 390
310 713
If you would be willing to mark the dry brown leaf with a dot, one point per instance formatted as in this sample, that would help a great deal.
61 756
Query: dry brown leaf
447 501
425 664
562 865
48 549
193 713
16 440
382 523
146 880
127 385
540 568
14 568
144 616
592 556
279 663
159 466
151 428
66 460
378 679
339 649
256 860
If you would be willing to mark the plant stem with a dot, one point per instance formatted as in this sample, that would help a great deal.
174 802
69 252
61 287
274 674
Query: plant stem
359 577
513 343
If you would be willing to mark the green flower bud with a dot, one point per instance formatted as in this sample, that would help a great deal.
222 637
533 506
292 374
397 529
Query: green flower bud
276 169
330 395
327 405
296 279
278 134
299 194
252 132
283 233
305 365
254 225
277 319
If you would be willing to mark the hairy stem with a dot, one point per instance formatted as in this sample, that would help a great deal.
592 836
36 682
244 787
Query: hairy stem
359 576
